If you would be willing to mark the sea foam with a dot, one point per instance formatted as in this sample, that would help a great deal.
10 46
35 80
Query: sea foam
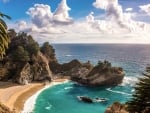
120 92
31 101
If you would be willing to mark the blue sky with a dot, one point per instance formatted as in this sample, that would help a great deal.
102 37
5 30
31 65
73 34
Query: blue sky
128 17
79 8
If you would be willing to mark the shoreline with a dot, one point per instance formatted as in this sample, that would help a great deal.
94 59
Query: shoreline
22 98
30 102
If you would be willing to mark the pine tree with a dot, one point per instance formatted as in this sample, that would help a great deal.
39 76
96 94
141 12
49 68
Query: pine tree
140 103
48 50
21 55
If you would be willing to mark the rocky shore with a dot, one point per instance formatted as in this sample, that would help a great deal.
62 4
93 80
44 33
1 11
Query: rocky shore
103 74
117 107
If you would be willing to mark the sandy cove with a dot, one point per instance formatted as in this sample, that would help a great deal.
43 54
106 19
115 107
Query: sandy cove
14 96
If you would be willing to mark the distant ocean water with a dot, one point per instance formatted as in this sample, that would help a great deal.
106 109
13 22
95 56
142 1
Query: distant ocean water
62 98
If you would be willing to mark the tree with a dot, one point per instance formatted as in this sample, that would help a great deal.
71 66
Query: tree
140 103
4 38
21 55
48 50
32 46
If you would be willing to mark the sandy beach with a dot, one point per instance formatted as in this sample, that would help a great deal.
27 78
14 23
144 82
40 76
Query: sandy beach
14 96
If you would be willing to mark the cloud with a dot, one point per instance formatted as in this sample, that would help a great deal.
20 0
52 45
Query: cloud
120 20
129 9
59 27
145 8
103 4
42 16
61 14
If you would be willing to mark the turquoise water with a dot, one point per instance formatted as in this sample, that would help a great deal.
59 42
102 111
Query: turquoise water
62 98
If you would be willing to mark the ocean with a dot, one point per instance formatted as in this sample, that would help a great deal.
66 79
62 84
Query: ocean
62 98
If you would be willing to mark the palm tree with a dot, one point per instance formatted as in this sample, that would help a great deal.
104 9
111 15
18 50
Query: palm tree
4 39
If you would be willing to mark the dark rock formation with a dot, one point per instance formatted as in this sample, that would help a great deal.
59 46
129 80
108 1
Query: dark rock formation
116 108
101 75
73 68
85 99
91 100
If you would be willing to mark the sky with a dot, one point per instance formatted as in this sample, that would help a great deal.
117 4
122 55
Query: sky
81 21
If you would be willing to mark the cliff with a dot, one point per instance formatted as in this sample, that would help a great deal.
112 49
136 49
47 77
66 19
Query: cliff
24 61
116 107
103 74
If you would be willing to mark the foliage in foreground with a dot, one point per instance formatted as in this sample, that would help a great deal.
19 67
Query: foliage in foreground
140 103
4 38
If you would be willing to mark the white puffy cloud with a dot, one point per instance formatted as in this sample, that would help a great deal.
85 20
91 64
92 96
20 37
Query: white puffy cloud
145 8
59 27
103 4
90 17
129 9
61 14
121 21
40 14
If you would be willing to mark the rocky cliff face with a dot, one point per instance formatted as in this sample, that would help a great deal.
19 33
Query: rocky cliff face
38 71
25 72
71 68
24 61
116 108
103 74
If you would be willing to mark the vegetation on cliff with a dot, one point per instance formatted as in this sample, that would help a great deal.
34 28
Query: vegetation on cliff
140 103
24 61
48 51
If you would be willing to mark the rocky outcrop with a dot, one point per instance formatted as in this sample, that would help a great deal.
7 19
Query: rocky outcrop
39 70
25 60
85 99
102 74
116 108
26 72
24 75
73 68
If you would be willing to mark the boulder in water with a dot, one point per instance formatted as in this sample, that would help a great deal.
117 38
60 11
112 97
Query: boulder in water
85 99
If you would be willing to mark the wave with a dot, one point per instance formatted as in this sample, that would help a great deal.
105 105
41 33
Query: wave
129 80
68 88
48 107
119 92
68 55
